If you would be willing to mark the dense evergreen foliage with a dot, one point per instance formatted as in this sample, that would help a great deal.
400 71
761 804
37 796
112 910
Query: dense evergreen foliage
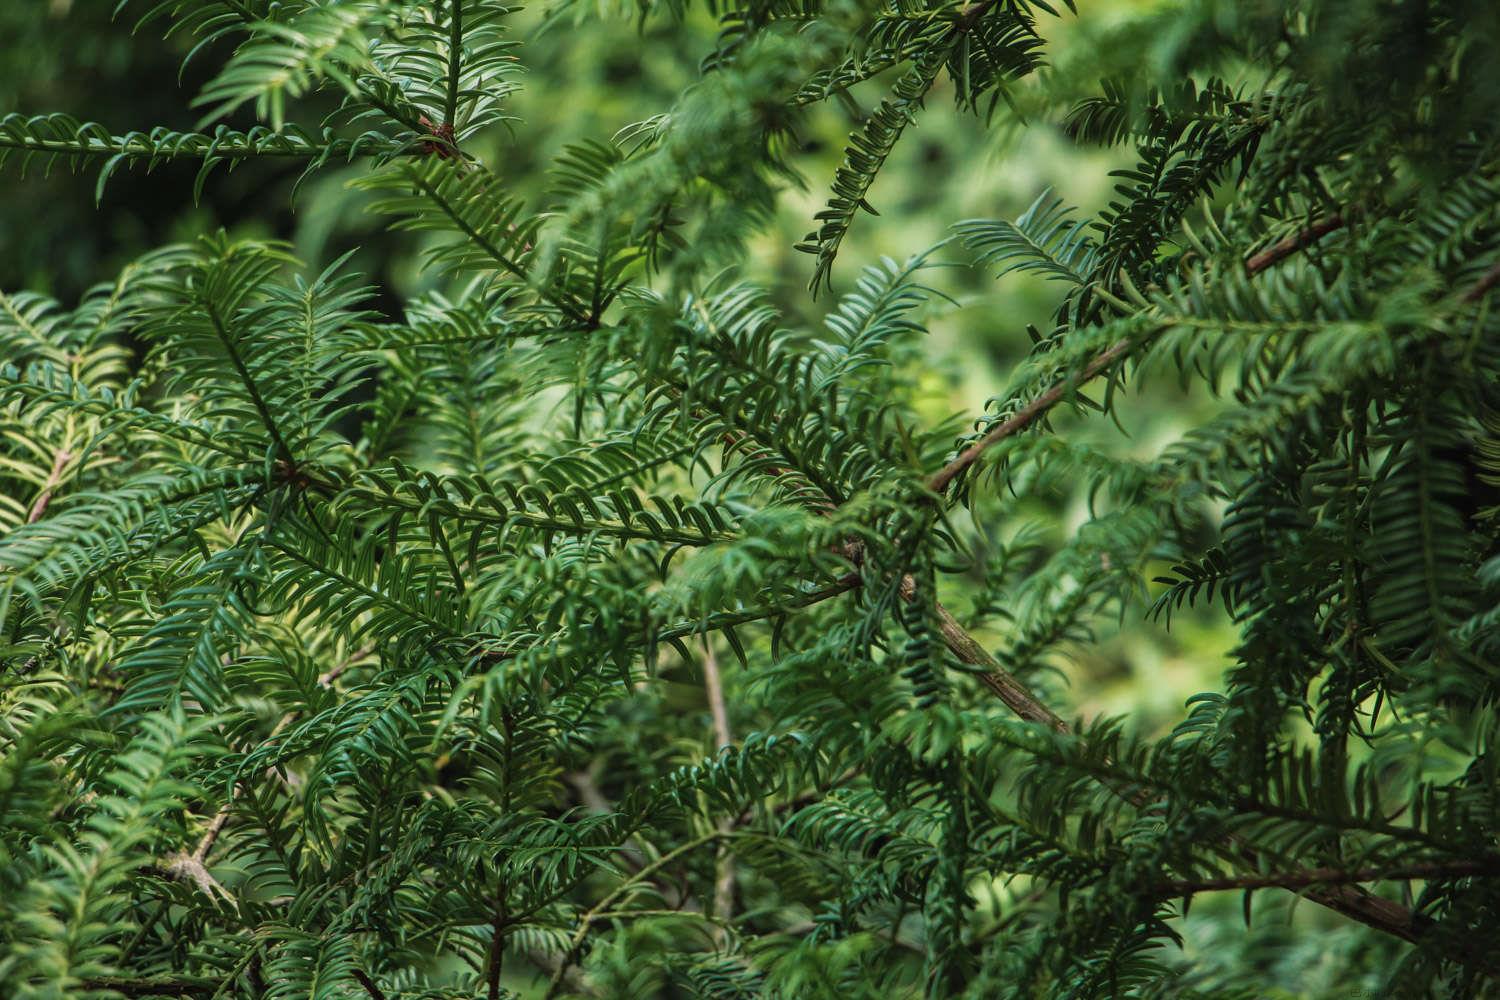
598 627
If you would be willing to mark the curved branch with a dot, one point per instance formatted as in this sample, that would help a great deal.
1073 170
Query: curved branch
1106 359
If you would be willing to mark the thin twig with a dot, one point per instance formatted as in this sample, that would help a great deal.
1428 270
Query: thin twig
333 673
1026 415
150 986
194 867
1029 413
576 944
1488 280
1277 252
724 876
1319 876
368 984
59 462
1001 682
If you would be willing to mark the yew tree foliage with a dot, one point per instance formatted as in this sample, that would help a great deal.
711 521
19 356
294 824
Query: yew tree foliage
343 653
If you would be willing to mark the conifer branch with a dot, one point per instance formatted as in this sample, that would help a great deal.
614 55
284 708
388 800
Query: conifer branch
1011 692
1027 415
60 135
726 468
232 350
584 922
1106 359
1370 910
1300 240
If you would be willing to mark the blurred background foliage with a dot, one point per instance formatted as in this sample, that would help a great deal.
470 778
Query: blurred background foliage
595 70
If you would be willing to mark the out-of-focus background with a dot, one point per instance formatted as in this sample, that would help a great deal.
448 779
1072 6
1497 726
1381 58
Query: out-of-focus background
588 77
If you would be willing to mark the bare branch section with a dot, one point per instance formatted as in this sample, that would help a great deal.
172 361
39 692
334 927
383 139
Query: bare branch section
724 876
1278 252
1488 280
59 463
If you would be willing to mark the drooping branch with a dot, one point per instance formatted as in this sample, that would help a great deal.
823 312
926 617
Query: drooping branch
1347 899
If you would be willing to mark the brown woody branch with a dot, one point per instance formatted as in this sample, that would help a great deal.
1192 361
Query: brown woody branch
333 673
1488 280
368 984
151 987
1028 414
1277 252
724 874
59 463
1328 876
